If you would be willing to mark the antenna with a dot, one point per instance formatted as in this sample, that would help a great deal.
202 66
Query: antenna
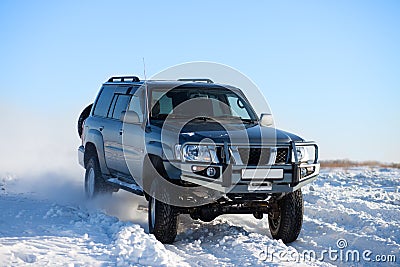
146 95
144 70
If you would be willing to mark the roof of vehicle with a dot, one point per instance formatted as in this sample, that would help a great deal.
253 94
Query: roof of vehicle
199 83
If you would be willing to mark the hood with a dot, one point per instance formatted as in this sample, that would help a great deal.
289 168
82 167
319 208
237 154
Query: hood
231 133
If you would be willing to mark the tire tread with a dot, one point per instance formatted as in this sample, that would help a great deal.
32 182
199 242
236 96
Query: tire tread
292 209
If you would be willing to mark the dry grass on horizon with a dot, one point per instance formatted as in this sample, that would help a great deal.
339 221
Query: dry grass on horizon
345 163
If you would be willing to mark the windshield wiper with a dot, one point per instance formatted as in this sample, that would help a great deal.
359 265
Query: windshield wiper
230 117
249 121
227 117
203 118
169 116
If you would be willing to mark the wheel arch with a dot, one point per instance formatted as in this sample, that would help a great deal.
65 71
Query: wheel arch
152 167
95 146
90 150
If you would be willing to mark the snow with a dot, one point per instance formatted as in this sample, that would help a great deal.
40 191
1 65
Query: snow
45 220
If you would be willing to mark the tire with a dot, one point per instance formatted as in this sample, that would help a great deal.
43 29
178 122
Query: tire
82 117
163 218
286 220
94 182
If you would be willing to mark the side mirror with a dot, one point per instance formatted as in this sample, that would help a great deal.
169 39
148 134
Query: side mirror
129 117
266 120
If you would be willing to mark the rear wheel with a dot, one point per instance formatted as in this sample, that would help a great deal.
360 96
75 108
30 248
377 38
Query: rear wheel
286 218
94 182
163 218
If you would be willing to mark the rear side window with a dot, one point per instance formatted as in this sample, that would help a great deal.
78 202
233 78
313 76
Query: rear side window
103 102
121 104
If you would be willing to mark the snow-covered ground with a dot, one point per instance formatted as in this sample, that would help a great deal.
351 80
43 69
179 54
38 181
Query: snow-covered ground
45 220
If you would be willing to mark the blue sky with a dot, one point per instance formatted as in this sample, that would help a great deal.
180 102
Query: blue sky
330 70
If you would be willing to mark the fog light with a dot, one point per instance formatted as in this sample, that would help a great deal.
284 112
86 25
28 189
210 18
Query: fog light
211 171
198 168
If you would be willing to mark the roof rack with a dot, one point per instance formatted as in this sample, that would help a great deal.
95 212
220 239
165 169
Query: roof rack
196 80
124 79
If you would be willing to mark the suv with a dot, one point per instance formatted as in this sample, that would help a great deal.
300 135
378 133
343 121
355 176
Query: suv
194 147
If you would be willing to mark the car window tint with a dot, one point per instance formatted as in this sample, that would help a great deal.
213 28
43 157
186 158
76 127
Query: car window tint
237 106
120 105
111 110
103 102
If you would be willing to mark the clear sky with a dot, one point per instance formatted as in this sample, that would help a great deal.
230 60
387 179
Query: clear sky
330 70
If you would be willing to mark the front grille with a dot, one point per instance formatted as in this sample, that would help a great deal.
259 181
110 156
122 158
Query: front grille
281 156
254 156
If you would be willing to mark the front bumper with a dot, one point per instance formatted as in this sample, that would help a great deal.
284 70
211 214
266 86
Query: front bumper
254 179
232 180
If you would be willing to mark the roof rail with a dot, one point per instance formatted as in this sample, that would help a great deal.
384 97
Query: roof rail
124 79
196 80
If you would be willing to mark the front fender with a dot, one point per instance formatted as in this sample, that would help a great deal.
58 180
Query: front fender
95 137
166 154
154 148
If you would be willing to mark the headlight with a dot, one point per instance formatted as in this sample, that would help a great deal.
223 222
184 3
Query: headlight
305 154
301 154
196 153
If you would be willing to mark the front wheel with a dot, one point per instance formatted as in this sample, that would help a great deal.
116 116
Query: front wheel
163 218
94 182
286 218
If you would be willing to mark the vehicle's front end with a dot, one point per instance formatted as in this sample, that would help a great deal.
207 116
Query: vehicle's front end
205 142
215 145
249 168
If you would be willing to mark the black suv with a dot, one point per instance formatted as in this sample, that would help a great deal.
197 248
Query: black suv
194 147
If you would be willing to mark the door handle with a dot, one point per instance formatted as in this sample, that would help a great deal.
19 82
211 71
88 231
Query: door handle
121 132
101 128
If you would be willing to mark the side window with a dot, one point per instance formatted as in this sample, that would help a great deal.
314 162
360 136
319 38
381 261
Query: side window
120 105
137 106
237 107
103 102
161 103
111 110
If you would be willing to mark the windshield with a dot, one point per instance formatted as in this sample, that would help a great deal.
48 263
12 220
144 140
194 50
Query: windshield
198 102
